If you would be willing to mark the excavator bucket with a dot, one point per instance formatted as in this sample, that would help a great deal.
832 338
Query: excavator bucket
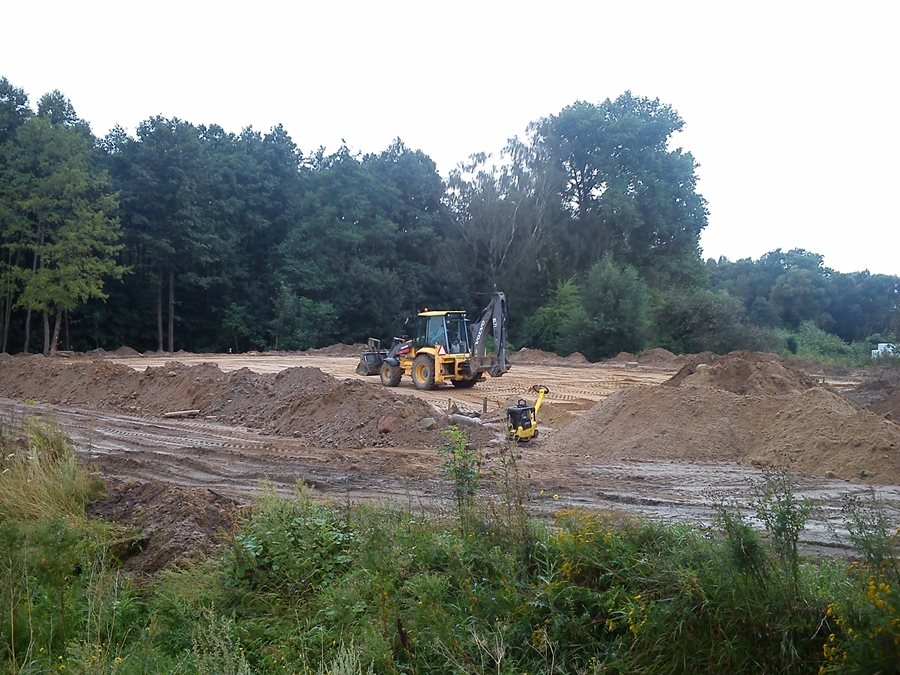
371 359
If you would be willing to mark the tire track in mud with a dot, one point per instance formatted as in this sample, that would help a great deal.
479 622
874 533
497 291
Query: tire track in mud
233 460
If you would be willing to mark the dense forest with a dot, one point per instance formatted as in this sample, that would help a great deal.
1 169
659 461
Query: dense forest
188 237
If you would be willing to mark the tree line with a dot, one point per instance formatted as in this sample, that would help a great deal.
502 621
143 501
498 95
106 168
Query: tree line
188 237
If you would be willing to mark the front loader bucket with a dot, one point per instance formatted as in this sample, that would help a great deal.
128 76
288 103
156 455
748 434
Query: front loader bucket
370 363
371 359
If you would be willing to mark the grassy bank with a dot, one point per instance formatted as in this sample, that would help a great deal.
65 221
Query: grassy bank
300 587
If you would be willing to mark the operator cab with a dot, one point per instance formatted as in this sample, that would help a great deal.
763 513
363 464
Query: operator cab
447 329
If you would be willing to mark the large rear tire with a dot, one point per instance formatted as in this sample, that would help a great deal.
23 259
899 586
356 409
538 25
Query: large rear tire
390 375
423 372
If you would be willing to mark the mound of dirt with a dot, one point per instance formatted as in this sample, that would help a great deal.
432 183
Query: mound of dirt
656 423
339 350
124 352
528 356
741 407
623 358
817 369
742 373
660 358
174 523
818 431
879 392
301 402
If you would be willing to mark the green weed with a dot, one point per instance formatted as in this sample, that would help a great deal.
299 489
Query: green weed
462 465
40 475
306 588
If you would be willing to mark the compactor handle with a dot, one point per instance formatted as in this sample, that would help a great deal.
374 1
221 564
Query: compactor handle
542 391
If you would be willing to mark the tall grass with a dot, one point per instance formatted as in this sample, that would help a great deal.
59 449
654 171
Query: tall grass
302 587
59 595
40 475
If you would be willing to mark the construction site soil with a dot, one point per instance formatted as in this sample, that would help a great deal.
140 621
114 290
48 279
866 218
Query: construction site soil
183 440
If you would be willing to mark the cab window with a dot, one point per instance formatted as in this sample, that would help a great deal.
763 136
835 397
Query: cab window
437 333
458 335
430 331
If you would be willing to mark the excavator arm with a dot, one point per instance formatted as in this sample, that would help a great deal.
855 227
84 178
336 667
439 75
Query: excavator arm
493 317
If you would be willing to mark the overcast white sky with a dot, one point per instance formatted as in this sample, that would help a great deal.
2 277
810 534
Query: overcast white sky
790 107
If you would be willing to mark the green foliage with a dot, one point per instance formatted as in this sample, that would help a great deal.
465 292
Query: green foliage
543 329
461 465
301 323
815 343
183 595
789 289
502 225
14 109
40 475
60 589
242 241
864 625
59 216
784 516
608 314
214 648
692 321
305 588
609 169
290 546
872 535
346 662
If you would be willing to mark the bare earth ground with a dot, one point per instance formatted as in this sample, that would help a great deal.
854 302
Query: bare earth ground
613 436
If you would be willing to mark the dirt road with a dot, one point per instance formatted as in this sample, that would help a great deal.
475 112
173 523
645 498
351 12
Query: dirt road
232 460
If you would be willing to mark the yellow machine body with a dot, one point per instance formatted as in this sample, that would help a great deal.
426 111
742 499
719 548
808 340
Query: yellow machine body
521 419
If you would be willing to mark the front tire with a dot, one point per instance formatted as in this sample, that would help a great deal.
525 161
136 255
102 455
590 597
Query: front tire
390 375
423 372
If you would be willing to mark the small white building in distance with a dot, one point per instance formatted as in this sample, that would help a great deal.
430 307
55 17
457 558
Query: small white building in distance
884 349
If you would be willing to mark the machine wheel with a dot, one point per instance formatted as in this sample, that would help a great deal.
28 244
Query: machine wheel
390 375
423 372
465 384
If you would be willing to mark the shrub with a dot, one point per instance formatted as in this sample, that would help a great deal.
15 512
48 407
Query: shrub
291 545
815 343
462 465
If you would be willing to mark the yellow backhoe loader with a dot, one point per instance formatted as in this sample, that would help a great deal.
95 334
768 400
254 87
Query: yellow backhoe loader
445 348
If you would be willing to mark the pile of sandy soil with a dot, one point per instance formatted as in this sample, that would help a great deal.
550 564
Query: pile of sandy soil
623 358
661 358
174 524
124 352
879 392
339 350
301 402
98 353
819 369
653 358
657 358
740 408
820 431
742 373
528 356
